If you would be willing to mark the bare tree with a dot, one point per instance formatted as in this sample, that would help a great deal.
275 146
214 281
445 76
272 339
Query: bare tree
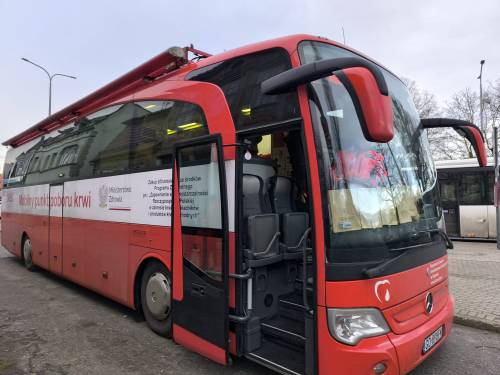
491 105
425 102
439 139
463 105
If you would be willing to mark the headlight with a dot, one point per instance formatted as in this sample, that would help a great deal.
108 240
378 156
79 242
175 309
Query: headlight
351 325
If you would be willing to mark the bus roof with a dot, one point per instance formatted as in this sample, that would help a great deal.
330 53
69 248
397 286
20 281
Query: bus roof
461 163
170 64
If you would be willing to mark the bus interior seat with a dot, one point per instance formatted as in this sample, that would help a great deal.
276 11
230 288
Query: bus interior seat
295 227
294 224
281 192
262 234
266 170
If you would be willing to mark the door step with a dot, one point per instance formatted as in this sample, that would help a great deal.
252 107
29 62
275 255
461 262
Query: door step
285 331
291 307
279 358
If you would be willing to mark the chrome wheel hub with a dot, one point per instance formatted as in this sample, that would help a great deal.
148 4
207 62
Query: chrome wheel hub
158 293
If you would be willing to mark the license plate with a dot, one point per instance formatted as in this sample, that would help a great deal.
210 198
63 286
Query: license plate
432 340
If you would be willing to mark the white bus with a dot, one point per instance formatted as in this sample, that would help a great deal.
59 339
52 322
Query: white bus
467 196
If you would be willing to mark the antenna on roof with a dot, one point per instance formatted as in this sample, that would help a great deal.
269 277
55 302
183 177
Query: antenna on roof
199 54
343 34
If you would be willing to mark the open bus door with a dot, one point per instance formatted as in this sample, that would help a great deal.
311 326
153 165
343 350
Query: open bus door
199 247
200 225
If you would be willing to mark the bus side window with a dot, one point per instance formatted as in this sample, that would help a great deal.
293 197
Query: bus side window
68 155
155 133
240 79
471 189
490 194
109 151
124 138
7 168
448 191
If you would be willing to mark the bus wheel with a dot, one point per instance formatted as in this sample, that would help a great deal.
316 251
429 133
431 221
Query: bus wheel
28 254
156 298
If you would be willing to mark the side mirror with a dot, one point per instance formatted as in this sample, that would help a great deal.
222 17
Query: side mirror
363 80
467 130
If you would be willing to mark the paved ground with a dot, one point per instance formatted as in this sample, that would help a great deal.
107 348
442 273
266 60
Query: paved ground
51 326
475 282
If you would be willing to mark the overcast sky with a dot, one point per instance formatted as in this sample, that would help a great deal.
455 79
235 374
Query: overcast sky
437 43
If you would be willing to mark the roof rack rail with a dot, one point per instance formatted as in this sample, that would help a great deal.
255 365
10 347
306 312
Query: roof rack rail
166 62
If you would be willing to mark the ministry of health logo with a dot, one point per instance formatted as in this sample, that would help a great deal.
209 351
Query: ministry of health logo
103 196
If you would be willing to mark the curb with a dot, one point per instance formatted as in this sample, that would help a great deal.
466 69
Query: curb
476 324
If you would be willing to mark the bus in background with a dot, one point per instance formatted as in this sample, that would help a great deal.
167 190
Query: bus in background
278 202
468 198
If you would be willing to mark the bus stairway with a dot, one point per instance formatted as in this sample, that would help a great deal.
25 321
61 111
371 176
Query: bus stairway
284 331
283 345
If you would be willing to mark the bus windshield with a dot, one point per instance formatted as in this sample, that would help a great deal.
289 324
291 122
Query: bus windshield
381 196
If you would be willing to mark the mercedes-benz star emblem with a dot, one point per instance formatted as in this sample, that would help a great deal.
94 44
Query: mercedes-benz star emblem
429 303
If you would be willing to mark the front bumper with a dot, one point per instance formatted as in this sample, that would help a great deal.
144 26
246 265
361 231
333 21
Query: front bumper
399 353
409 345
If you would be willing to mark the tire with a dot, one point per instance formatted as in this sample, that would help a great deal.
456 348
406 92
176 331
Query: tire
156 298
27 254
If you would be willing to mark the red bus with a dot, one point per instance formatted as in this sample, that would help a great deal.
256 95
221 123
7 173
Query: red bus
277 202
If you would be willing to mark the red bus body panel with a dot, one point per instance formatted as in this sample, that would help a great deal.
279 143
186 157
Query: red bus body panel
195 343
402 287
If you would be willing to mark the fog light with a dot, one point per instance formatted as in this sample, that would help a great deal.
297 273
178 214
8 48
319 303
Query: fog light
379 368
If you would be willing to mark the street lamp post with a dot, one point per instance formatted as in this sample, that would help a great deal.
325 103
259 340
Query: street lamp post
495 152
480 78
51 77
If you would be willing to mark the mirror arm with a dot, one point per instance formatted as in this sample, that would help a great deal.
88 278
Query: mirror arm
466 129
290 79
428 123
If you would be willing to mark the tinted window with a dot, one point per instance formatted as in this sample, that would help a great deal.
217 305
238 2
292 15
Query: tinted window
157 127
7 167
471 188
313 51
448 192
109 138
125 138
240 79
35 164
490 188
15 171
68 155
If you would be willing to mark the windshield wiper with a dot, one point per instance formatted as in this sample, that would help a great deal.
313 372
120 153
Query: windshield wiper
442 233
380 268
